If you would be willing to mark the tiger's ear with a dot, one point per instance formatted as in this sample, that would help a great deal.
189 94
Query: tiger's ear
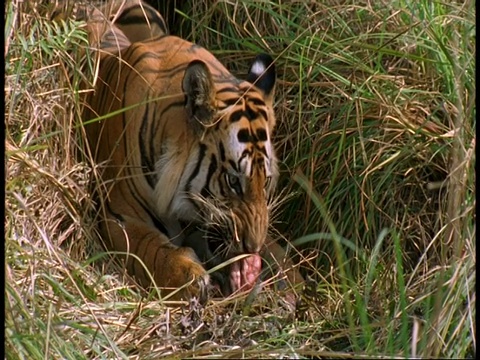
199 94
262 75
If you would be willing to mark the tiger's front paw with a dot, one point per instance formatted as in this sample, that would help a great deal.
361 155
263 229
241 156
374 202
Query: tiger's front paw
181 274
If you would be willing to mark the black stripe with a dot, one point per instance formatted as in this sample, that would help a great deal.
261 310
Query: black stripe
236 115
132 193
244 136
233 165
158 123
146 55
117 216
250 113
127 52
156 222
263 114
152 139
130 178
259 161
229 89
211 170
256 101
195 205
217 125
175 104
261 135
221 150
226 78
231 101
132 19
201 154
140 201
146 159
152 16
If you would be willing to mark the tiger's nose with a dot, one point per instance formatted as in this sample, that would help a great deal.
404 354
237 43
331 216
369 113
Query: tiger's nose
252 246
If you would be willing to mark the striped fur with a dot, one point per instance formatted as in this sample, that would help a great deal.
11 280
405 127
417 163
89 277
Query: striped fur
182 144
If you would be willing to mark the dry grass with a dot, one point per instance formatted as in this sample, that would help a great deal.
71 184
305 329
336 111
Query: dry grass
376 109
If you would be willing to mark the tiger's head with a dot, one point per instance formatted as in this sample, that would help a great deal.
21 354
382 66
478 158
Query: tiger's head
235 168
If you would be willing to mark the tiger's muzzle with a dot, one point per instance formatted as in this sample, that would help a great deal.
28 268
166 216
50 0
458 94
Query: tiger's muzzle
250 226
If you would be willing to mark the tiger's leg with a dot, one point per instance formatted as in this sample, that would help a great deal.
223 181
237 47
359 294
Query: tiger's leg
147 250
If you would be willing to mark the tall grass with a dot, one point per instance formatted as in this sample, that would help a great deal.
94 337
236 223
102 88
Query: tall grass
376 112
376 134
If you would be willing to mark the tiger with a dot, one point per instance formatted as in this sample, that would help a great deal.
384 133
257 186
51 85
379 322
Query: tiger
187 168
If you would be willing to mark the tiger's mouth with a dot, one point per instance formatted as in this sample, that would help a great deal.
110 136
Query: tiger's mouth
245 272
216 249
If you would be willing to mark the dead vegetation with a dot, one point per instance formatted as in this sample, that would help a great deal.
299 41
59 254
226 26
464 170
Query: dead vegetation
376 113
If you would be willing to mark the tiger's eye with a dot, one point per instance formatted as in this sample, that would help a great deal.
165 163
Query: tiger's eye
233 182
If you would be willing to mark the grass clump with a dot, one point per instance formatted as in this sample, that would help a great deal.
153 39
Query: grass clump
376 133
